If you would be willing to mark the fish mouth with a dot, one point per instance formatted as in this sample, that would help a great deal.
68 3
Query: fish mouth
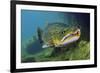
69 38
72 37
76 33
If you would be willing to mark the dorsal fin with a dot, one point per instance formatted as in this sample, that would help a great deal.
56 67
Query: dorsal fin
39 34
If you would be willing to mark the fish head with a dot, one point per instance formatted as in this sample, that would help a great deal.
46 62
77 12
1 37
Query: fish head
63 37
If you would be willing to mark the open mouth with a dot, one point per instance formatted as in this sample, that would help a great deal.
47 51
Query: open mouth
69 38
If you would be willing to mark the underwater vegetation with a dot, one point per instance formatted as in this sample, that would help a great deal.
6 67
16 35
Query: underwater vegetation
74 53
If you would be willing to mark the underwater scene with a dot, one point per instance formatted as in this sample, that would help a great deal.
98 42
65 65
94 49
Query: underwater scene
54 36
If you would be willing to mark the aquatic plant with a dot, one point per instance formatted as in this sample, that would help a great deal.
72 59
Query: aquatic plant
80 52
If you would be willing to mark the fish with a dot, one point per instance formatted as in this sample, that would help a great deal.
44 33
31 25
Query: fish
57 37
